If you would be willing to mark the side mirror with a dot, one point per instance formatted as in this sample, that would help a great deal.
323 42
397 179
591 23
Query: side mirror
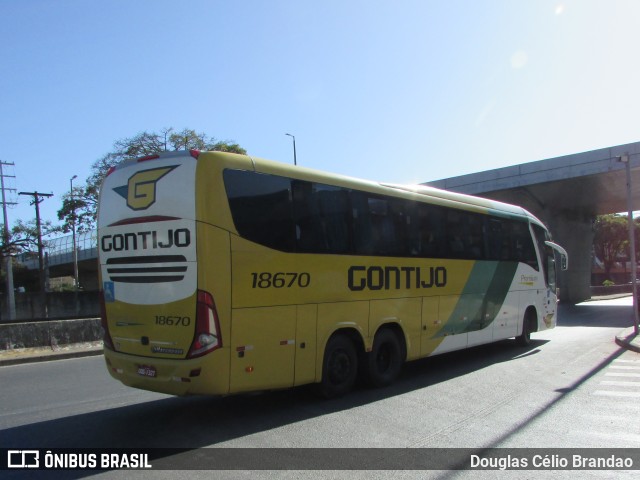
564 258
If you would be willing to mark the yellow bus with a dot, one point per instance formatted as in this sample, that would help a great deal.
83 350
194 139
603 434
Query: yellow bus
225 273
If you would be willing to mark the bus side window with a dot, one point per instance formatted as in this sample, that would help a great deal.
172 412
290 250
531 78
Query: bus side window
334 219
309 234
361 224
431 231
383 227
321 216
414 245
261 208
497 240
522 244
380 225
476 245
465 236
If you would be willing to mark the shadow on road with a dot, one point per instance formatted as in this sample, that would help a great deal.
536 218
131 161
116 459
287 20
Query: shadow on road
593 314
195 422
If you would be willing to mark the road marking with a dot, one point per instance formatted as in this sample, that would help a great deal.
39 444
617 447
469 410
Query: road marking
607 393
620 383
621 378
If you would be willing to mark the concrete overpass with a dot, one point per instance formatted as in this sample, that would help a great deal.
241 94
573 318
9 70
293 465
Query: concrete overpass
566 193
59 258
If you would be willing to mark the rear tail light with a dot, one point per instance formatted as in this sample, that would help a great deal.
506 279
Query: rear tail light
147 157
108 343
207 336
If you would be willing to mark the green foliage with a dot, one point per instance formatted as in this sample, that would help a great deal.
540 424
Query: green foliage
81 205
23 237
608 283
611 239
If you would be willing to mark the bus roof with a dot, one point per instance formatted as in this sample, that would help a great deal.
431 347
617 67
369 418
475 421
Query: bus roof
493 205
431 194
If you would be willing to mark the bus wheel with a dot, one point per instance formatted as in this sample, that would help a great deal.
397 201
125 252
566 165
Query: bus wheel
385 359
524 339
339 367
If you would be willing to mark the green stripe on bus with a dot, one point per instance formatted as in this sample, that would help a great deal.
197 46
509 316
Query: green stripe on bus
481 298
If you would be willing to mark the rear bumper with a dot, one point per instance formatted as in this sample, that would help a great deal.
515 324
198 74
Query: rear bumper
206 375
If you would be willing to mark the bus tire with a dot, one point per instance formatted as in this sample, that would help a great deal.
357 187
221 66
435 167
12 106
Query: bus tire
524 339
384 362
339 367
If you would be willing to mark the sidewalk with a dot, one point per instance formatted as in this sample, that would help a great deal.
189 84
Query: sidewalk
42 354
626 338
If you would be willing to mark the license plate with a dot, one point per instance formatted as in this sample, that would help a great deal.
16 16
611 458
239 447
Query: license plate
147 371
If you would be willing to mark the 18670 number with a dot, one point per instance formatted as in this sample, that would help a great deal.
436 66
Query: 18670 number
173 321
280 280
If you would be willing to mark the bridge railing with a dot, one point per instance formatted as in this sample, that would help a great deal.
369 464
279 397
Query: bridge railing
59 250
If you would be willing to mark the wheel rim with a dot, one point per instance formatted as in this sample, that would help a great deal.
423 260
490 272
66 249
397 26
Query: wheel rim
339 367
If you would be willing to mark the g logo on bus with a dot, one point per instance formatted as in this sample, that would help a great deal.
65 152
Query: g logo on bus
140 191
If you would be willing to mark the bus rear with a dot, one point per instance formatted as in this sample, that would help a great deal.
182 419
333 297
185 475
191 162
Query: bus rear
162 332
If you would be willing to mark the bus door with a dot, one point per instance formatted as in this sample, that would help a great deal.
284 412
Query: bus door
549 298
550 266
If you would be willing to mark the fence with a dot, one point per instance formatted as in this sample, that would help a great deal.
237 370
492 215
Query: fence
59 250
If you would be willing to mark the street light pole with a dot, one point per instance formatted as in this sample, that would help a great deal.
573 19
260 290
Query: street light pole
73 230
632 241
295 161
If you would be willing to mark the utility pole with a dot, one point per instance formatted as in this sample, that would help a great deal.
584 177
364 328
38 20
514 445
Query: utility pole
8 265
36 201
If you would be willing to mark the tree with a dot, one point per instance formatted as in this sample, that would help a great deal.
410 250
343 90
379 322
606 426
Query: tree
22 238
610 239
81 204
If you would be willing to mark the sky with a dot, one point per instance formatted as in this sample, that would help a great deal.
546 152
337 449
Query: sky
403 91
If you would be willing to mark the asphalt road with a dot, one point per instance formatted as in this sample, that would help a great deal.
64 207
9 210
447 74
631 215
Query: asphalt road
573 387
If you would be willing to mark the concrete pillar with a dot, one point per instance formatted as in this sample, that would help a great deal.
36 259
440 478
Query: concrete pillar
574 231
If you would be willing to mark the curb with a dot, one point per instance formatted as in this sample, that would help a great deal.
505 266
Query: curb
629 340
44 356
